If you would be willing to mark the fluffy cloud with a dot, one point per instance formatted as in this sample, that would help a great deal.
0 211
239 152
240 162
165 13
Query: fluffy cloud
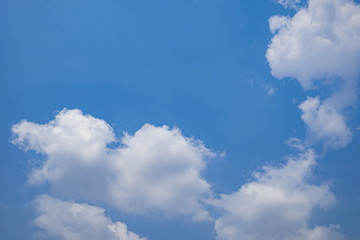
325 123
73 221
276 206
320 46
319 41
155 169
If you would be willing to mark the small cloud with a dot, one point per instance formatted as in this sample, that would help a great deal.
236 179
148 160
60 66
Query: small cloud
295 143
269 90
295 4
223 154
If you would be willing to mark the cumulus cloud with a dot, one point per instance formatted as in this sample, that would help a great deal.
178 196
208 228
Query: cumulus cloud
156 169
276 205
325 123
318 41
67 220
320 46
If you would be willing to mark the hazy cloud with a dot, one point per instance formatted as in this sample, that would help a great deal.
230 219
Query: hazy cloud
295 143
290 3
269 90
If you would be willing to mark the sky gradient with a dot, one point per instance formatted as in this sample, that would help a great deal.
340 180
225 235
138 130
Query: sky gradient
196 119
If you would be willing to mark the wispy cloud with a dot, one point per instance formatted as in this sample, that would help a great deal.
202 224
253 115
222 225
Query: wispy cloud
296 143
291 3
269 90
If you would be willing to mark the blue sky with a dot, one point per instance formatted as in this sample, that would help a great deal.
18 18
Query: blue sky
270 88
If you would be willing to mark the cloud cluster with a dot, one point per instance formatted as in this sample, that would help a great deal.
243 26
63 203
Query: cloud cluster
320 46
276 206
156 169
73 221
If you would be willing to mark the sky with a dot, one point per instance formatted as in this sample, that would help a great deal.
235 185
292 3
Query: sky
192 119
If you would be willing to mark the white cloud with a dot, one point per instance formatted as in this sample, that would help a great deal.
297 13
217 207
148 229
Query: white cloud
276 206
68 220
325 123
318 41
320 46
156 169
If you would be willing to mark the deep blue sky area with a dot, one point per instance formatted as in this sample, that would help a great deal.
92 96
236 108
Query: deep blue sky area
198 65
